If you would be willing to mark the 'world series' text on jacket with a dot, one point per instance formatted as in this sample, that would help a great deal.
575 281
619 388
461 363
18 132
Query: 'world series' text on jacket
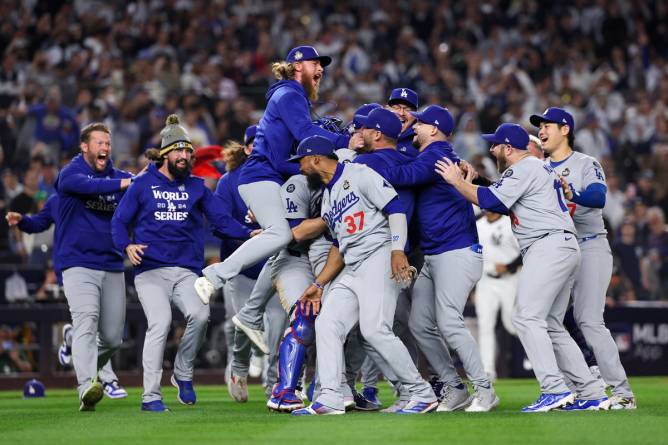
86 202
446 220
286 121
168 217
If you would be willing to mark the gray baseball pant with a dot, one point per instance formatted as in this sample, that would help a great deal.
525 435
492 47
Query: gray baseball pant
444 285
543 293
591 284
97 304
365 294
156 289
263 198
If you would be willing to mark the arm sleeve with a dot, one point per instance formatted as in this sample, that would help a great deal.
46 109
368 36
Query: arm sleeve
487 200
420 171
593 196
221 220
39 222
296 198
124 217
294 111
512 185
80 184
398 230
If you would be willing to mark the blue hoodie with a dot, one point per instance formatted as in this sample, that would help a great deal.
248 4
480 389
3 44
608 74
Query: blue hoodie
379 161
445 218
405 144
40 222
168 217
86 202
229 194
285 123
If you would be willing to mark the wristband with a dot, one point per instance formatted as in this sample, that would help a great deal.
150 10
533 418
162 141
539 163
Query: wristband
318 285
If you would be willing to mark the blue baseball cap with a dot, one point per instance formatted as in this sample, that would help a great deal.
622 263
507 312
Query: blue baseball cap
511 134
437 116
382 120
554 115
312 146
404 95
249 136
33 388
301 53
364 110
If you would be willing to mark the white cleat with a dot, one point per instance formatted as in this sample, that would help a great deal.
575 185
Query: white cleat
255 366
454 399
255 335
483 402
238 388
204 289
619 403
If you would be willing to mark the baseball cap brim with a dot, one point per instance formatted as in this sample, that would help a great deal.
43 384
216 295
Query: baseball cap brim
297 158
361 121
492 138
401 101
536 119
324 60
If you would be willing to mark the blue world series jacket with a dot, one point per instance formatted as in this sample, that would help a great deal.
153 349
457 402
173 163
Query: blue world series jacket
387 158
227 191
40 222
286 122
168 217
445 218
87 200
405 144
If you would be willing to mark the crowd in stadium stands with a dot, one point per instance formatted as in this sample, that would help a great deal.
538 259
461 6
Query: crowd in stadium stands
65 64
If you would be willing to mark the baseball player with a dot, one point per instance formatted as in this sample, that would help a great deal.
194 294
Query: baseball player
403 102
452 265
585 188
286 120
165 210
89 189
530 191
39 223
370 251
496 290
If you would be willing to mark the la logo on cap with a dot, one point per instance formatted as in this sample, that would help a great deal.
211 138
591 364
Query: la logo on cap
298 55
403 93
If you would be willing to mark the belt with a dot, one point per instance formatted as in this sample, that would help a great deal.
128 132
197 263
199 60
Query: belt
523 251
589 238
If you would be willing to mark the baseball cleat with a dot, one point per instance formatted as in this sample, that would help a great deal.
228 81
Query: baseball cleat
65 349
317 409
588 405
238 388
454 398
255 366
286 402
186 394
204 289
371 394
362 404
617 403
483 401
396 406
255 335
155 406
414 407
548 402
438 387
348 403
91 396
114 390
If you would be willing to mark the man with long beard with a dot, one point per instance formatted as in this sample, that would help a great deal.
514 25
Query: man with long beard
164 210
286 121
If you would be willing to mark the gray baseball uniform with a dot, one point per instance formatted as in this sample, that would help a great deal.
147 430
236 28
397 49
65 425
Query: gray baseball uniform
593 276
364 292
532 192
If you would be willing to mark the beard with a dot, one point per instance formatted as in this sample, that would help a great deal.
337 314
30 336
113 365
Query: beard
311 91
179 172
366 148
501 162
314 181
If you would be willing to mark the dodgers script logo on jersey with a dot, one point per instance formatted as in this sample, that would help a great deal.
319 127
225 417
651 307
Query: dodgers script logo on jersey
338 208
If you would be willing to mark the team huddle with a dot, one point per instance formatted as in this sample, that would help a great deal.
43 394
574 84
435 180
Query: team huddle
347 251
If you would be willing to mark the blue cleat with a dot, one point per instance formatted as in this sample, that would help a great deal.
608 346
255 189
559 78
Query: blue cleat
371 394
285 401
548 402
317 409
588 405
186 394
419 407
155 406
362 404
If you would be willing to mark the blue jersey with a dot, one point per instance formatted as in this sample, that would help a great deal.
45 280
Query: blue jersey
286 122
445 218
405 144
168 217
228 193
87 200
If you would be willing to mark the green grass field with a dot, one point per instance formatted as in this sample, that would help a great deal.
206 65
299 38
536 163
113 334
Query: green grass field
217 420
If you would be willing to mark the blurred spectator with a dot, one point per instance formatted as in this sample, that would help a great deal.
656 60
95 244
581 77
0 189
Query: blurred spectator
12 359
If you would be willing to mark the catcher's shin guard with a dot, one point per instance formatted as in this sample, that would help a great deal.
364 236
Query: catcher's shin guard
292 352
